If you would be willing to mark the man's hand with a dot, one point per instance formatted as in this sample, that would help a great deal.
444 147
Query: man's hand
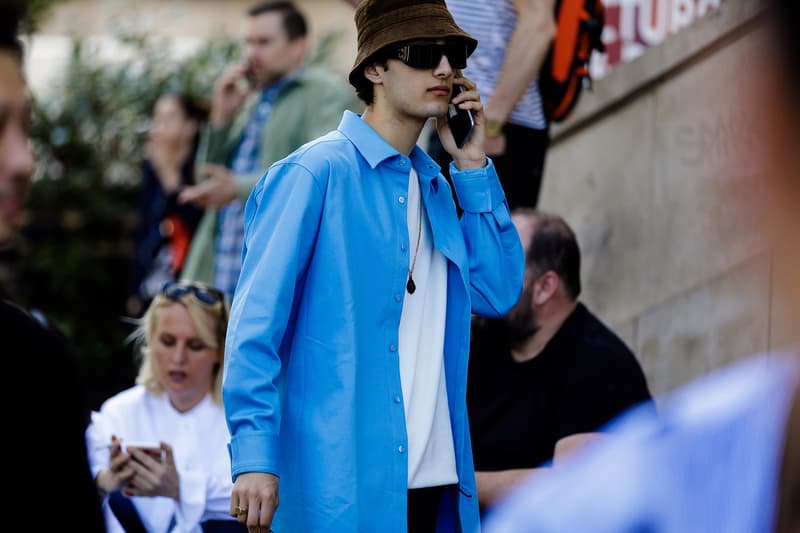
472 154
219 189
229 95
254 500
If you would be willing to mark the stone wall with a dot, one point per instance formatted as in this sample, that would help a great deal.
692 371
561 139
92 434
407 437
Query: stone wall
654 174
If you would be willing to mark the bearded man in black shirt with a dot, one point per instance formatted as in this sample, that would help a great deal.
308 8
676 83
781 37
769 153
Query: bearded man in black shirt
544 380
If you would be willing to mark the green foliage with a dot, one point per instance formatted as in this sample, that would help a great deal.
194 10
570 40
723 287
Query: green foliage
88 135
34 11
88 138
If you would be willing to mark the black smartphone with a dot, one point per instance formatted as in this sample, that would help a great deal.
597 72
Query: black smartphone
460 120
250 76
247 82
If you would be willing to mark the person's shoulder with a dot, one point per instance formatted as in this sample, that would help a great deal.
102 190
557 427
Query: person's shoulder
22 329
11 313
320 156
322 87
599 351
316 76
595 336
126 400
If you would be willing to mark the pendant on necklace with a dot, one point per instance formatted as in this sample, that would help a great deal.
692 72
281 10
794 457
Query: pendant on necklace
411 286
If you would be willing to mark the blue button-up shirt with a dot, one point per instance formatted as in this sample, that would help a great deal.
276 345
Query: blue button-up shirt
312 376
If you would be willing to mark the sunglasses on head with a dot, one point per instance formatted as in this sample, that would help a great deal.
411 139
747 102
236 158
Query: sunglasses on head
175 290
428 55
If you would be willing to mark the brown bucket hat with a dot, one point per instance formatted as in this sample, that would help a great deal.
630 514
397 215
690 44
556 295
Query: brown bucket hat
381 23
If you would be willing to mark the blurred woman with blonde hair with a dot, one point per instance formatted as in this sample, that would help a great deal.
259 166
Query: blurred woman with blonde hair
184 483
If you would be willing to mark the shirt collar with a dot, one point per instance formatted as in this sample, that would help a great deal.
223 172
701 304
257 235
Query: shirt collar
270 92
376 150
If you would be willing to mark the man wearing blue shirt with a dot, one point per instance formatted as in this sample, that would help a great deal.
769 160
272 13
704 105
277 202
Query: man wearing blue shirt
346 355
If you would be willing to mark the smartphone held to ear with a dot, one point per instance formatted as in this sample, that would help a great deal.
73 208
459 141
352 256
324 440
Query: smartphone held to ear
247 82
460 120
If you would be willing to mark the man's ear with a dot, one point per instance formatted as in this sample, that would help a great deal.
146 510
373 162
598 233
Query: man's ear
374 73
545 287
299 49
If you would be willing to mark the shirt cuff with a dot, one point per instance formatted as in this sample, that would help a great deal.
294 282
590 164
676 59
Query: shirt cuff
478 189
255 451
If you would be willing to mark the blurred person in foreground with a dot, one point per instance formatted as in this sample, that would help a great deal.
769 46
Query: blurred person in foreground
724 453
262 109
165 227
44 389
176 404
16 158
346 358
545 379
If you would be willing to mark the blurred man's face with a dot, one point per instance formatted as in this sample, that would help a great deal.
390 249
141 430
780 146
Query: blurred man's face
269 52
16 159
521 322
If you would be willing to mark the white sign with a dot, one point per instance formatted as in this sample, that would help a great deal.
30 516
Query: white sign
633 25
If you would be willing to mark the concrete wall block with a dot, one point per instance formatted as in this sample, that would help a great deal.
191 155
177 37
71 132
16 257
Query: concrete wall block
707 327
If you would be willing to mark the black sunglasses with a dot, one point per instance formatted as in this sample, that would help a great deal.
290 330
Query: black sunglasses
426 56
175 290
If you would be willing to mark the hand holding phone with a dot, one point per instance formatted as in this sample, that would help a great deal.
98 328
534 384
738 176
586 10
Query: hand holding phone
247 82
230 92
460 120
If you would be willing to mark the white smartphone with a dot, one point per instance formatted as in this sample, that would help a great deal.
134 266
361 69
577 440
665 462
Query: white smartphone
153 449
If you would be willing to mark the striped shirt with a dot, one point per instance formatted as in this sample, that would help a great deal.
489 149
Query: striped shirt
230 226
492 22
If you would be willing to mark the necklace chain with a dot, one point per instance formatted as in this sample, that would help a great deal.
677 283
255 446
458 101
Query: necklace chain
410 285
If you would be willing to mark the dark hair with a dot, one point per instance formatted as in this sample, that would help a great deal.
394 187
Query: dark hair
12 14
293 20
192 106
365 89
786 13
554 247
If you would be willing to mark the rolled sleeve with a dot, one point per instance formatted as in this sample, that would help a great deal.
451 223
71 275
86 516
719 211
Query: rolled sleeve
496 260
478 190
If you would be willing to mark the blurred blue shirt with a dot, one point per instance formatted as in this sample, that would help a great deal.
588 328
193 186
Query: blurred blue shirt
312 387
710 462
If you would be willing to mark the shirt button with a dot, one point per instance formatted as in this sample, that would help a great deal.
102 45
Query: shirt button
401 449
401 199
397 399
402 162
397 297
403 247
392 348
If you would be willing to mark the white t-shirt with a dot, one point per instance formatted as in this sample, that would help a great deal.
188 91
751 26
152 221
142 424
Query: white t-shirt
431 455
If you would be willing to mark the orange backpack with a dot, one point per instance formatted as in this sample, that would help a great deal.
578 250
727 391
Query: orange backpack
579 27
